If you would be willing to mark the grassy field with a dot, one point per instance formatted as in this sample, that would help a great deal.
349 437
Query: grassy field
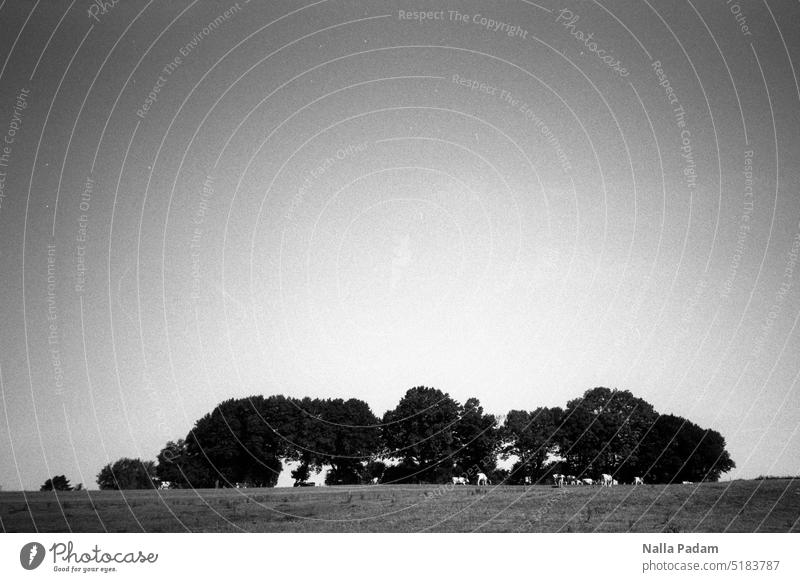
737 506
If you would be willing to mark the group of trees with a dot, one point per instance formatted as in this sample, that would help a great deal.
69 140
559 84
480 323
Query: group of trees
128 473
427 437
614 432
60 483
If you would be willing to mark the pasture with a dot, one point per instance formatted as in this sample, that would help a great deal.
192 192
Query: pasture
737 506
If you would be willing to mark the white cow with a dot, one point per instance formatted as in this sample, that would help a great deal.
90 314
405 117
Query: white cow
605 480
558 480
587 481
374 480
572 480
615 482
527 480
638 481
687 483
482 479
460 481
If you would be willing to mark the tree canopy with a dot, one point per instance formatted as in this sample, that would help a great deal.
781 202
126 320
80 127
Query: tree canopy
57 483
128 473
531 437
430 437
420 430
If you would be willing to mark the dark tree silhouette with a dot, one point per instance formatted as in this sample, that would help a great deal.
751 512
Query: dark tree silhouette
182 469
344 434
57 483
375 469
434 438
420 430
678 450
612 431
477 439
531 436
128 473
602 432
242 441
301 474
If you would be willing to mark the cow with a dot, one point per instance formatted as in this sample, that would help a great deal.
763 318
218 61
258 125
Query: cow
572 480
587 481
614 482
527 480
558 480
165 485
482 479
374 480
605 480
687 483
460 481
638 481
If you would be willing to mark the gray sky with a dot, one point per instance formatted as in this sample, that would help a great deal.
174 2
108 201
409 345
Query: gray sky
517 202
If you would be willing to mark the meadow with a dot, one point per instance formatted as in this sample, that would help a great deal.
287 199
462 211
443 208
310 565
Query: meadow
736 506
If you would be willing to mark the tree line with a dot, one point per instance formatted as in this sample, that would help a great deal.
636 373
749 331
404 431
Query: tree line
428 437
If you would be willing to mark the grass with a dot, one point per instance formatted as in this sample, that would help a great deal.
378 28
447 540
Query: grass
739 506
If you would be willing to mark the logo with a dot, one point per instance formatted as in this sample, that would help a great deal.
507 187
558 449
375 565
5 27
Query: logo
31 555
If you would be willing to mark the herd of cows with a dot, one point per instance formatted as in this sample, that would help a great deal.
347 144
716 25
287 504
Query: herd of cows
605 480
559 480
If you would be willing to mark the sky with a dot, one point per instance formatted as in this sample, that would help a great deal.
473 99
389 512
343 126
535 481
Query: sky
517 202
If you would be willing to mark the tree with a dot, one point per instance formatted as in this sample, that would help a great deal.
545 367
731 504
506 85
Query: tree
375 469
477 438
182 469
126 473
57 483
348 435
711 459
679 450
301 474
341 433
531 436
243 440
602 432
612 431
420 430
